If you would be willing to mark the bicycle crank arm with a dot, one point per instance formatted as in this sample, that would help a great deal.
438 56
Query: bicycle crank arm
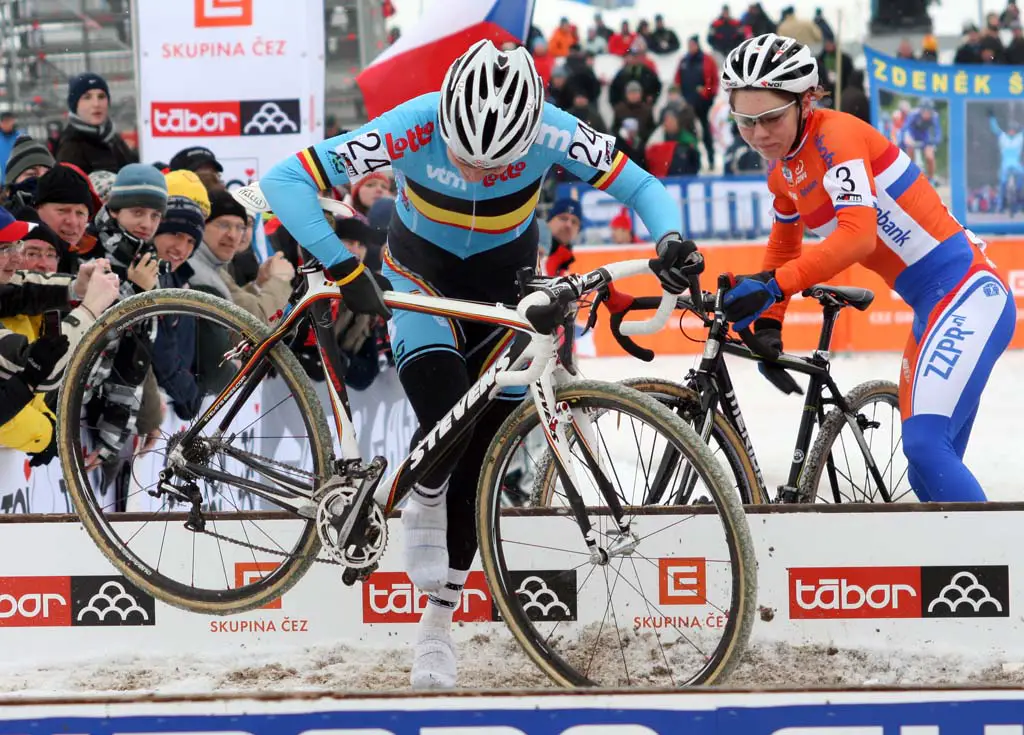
346 518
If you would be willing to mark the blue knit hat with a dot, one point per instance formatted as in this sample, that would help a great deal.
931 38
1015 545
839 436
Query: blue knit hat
565 206
138 185
183 215
81 84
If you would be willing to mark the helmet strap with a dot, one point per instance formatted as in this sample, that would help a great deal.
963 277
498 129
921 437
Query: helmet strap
801 122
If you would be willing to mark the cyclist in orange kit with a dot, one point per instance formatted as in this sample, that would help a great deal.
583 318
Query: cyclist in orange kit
839 177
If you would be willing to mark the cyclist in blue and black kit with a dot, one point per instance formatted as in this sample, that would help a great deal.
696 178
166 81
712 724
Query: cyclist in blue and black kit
922 130
1011 144
469 162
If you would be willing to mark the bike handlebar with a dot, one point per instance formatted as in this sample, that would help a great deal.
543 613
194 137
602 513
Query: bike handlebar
545 309
621 304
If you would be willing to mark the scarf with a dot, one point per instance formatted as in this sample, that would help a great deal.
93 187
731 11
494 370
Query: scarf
104 132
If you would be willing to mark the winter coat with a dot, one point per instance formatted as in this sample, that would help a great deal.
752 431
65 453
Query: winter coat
90 153
114 393
25 420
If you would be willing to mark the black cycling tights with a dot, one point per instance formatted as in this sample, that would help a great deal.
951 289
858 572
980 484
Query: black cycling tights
433 382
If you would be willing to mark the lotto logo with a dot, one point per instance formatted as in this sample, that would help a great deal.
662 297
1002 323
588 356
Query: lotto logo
683 581
389 597
248 572
221 13
195 119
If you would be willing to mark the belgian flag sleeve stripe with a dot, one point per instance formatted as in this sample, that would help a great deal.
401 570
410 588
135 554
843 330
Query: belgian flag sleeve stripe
605 179
312 166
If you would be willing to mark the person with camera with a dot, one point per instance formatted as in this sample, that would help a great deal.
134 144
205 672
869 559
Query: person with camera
34 349
116 405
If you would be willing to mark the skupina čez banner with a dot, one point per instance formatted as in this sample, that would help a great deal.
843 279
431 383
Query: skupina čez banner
964 127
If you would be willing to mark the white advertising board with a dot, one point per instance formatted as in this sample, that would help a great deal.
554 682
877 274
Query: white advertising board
870 580
244 78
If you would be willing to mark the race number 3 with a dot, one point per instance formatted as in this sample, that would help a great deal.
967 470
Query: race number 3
848 184
365 154
592 148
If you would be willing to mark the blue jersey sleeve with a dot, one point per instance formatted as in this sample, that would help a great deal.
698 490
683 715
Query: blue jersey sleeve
592 157
936 129
389 141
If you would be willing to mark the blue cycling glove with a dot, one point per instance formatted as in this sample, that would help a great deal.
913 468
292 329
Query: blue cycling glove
750 297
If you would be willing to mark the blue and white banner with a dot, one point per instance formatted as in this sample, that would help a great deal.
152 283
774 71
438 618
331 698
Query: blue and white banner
964 126
826 713
726 207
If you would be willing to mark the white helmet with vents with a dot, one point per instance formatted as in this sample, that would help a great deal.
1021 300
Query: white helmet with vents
770 62
491 105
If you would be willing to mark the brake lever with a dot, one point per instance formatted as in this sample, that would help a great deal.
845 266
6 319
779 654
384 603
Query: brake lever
600 296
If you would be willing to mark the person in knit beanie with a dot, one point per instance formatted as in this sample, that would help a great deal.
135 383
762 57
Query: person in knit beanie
180 231
188 184
367 190
29 159
89 140
65 201
102 183
124 401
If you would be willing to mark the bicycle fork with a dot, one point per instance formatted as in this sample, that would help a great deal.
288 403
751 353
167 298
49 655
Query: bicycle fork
555 418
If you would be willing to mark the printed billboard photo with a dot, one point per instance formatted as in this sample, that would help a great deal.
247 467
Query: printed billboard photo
995 171
920 127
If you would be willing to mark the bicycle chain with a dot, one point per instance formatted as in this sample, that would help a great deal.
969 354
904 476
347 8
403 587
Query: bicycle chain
256 547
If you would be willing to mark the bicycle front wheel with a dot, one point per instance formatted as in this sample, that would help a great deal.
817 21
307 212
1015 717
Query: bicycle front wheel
839 466
725 443
675 592
240 556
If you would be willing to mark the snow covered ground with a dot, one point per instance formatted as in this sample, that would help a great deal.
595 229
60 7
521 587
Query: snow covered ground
772 417
343 668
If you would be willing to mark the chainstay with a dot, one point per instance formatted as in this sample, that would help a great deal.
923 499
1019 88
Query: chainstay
256 547
234 451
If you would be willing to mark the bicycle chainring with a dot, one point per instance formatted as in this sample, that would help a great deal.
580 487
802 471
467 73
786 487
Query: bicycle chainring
365 545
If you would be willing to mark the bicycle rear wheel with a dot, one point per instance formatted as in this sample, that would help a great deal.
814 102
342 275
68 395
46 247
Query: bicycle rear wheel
837 470
689 564
246 557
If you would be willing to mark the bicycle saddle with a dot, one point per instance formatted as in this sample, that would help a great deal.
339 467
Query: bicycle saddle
859 298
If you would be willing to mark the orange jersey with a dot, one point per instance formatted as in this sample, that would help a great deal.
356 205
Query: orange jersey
871 205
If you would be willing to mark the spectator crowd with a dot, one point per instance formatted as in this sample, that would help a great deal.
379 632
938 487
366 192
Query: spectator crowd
84 224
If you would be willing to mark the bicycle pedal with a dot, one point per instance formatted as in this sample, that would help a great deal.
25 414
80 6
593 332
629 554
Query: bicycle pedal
350 576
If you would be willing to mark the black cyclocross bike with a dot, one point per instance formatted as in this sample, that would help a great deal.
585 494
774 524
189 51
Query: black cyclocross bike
178 546
857 454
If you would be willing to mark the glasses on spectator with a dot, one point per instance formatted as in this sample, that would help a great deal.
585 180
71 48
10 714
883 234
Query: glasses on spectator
34 253
766 118
227 227
10 248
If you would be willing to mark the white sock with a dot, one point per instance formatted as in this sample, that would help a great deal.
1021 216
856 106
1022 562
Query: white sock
434 664
425 522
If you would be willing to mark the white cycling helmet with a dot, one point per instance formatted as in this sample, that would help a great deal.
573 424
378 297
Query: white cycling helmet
491 105
771 62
